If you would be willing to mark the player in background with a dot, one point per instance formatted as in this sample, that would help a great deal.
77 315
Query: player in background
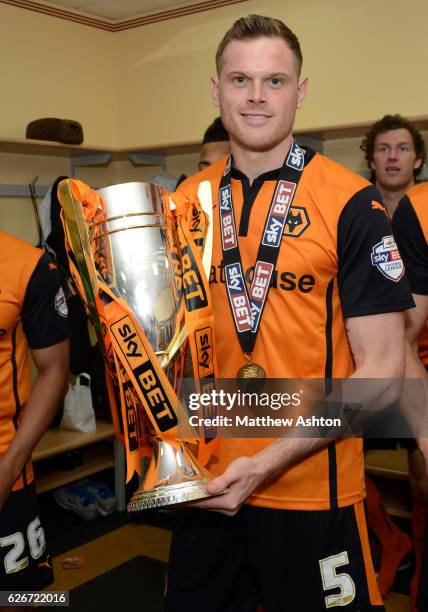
395 153
33 320
215 144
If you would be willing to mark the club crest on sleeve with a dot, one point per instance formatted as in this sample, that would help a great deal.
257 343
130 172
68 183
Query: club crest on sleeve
61 303
386 257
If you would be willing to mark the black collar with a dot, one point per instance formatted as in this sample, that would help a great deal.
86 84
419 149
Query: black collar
250 192
272 175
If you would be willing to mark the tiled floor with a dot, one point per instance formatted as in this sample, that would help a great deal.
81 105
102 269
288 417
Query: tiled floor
110 551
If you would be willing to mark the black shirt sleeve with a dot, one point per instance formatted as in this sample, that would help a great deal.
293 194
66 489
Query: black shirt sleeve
371 272
413 246
44 311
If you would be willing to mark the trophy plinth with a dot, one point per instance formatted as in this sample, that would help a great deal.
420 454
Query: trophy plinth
174 477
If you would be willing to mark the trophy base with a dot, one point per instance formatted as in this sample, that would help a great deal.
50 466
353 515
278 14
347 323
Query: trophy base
169 495
173 477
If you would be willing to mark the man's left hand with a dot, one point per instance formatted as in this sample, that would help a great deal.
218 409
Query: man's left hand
239 480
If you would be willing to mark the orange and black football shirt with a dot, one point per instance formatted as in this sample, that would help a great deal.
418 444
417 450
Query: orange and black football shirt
337 259
410 225
33 314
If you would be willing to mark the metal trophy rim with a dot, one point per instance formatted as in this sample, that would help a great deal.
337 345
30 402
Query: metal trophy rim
168 495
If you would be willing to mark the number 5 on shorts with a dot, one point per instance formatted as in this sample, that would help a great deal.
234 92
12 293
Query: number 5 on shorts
332 580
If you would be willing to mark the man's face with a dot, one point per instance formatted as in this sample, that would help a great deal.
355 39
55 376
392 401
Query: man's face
394 159
258 92
212 152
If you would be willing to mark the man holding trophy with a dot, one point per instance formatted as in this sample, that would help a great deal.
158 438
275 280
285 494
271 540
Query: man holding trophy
289 529
324 300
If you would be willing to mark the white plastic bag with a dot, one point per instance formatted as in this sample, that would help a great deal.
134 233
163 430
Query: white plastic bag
78 414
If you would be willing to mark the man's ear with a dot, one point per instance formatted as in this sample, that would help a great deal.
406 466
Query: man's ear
302 91
214 90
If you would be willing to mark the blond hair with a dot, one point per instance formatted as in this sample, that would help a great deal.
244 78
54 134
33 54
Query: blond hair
256 26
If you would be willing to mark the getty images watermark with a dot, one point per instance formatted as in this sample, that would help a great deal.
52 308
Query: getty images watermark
302 407
229 401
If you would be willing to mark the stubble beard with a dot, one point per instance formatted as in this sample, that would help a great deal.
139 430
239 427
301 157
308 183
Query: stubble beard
250 140
259 145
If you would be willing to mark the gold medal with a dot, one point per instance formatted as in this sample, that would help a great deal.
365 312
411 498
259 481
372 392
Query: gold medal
251 370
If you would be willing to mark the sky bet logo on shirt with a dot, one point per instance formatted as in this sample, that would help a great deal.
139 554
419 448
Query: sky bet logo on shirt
387 259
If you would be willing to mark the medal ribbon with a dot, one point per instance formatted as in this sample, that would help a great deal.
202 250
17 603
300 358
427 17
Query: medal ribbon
192 225
247 306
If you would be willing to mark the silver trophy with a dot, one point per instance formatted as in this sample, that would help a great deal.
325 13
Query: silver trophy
128 246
